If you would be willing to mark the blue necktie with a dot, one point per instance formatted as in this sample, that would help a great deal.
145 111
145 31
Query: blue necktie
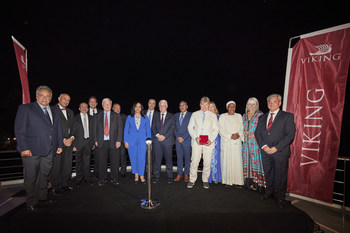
181 118
47 114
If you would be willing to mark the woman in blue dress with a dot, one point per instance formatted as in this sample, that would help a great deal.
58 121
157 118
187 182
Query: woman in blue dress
215 167
137 130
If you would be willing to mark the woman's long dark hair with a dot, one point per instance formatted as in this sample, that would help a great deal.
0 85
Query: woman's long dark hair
132 112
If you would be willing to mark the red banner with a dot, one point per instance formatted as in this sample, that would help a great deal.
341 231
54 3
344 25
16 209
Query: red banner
316 95
21 56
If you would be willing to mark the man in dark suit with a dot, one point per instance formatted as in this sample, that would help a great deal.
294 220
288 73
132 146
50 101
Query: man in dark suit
274 133
163 128
93 110
183 141
108 137
61 171
39 135
82 144
121 150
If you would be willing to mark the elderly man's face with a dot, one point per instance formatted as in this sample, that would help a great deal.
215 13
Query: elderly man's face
151 104
273 104
64 100
92 103
183 107
231 108
162 107
116 108
83 108
107 105
43 97
204 106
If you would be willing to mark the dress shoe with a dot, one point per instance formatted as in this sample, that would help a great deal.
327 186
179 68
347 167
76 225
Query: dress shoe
170 180
115 181
78 184
143 182
101 183
46 202
67 188
282 203
55 192
123 175
178 178
155 180
89 182
265 196
136 181
187 178
205 185
237 186
33 208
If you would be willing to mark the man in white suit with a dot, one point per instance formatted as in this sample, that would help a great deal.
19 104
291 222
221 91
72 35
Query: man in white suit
203 124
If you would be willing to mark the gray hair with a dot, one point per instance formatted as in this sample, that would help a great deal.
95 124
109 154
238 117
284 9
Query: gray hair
163 101
105 99
275 95
250 101
43 87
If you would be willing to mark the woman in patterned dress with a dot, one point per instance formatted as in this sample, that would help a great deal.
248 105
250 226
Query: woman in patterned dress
215 167
253 172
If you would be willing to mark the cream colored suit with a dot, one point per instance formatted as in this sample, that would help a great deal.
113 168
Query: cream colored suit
197 127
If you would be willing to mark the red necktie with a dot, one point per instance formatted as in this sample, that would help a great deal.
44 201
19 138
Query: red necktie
161 124
270 121
106 126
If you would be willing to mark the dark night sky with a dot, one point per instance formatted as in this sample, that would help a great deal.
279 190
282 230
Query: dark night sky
174 50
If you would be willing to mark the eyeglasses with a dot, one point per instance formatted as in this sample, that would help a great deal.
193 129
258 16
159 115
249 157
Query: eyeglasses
44 96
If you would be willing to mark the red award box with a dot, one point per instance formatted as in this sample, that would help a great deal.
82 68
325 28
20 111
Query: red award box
203 139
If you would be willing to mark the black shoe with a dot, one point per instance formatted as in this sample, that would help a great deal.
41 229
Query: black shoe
33 208
123 175
46 202
89 182
170 180
265 196
155 180
78 184
115 181
67 188
237 186
101 183
55 192
282 203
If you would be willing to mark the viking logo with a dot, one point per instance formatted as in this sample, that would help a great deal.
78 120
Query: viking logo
322 49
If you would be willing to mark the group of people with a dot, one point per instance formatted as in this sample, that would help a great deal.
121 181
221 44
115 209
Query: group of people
252 150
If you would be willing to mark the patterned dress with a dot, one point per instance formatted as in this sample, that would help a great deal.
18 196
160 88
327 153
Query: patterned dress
215 166
253 172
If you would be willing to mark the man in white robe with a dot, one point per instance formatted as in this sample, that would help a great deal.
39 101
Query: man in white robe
231 132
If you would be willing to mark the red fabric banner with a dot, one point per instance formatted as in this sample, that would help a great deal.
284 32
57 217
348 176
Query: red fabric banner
21 56
316 95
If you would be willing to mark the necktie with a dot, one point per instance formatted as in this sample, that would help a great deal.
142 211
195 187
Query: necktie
47 114
270 121
149 115
203 117
86 131
106 126
161 124
181 118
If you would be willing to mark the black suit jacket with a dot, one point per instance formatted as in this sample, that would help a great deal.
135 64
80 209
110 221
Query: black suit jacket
35 132
66 124
78 132
281 133
168 127
115 129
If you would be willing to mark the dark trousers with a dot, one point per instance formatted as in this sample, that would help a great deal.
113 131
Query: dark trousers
122 155
94 154
36 175
183 153
61 171
82 161
104 153
276 171
161 149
